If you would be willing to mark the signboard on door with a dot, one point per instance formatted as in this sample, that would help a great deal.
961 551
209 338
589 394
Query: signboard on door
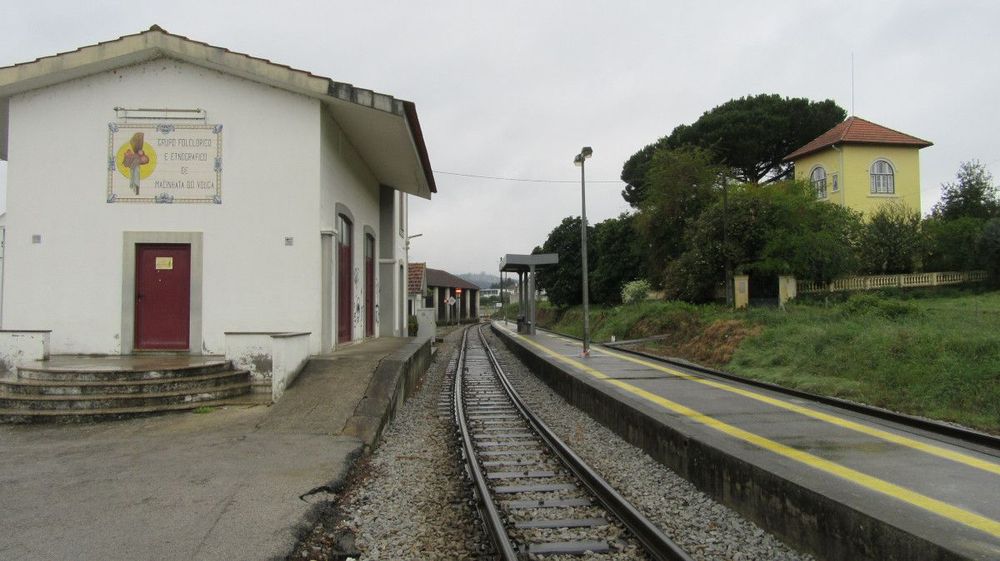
164 163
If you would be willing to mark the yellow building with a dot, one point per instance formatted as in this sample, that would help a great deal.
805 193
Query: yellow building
862 165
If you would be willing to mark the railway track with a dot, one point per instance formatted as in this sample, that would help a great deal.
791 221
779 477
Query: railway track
536 497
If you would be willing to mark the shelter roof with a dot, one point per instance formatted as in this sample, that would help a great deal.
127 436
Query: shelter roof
415 278
385 130
437 277
855 130
518 263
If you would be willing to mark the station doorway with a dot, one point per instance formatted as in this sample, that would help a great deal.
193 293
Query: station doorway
345 282
162 297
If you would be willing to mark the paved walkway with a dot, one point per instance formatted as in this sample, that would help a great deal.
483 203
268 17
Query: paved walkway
212 486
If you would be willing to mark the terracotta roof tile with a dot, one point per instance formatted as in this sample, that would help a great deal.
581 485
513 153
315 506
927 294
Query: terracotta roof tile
855 130
415 278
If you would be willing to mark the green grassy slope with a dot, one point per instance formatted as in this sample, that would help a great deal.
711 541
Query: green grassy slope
934 353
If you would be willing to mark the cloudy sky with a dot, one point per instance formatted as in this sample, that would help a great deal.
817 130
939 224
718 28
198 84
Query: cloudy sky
515 89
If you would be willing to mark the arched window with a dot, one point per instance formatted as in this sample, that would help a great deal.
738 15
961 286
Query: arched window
818 179
883 178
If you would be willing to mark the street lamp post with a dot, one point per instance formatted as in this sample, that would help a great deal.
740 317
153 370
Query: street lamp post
580 159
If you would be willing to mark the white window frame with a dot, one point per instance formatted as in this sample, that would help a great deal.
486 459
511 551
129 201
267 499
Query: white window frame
880 183
818 183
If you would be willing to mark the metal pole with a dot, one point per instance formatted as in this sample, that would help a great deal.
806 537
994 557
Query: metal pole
502 305
725 242
531 300
583 248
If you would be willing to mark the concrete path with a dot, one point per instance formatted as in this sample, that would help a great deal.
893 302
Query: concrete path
212 486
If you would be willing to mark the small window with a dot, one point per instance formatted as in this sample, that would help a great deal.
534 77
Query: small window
835 185
818 180
883 178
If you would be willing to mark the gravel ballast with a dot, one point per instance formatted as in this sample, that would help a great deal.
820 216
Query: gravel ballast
407 501
707 530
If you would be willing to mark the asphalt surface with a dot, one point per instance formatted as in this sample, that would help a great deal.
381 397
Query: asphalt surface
219 485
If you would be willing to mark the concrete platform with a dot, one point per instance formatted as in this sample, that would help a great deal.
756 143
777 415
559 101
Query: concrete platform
839 484
219 485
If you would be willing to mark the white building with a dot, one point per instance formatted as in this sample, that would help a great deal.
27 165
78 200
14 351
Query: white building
265 199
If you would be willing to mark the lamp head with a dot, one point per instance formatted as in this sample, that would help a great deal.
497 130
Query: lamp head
578 160
586 152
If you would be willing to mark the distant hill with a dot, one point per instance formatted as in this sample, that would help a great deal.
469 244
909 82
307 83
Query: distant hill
482 280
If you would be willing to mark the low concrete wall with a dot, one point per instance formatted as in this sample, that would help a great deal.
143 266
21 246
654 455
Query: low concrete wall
289 353
427 325
18 347
395 379
801 516
275 357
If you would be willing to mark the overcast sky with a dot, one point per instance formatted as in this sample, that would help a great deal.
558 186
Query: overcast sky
515 89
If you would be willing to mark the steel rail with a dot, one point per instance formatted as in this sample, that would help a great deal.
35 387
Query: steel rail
652 538
491 516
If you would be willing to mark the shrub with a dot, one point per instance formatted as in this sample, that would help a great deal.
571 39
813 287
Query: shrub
891 241
872 304
990 249
635 291
952 244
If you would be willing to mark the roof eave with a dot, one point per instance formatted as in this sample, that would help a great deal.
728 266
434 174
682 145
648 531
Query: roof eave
796 155
155 43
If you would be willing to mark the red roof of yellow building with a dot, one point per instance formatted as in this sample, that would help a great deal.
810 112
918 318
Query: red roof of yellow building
855 130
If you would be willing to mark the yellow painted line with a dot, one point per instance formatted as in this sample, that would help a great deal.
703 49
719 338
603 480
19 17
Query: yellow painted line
938 451
952 455
940 508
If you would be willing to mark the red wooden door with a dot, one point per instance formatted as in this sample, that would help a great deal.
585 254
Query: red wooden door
345 284
162 296
369 285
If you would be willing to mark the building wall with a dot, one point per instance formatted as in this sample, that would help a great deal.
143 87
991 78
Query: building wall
71 282
852 162
347 180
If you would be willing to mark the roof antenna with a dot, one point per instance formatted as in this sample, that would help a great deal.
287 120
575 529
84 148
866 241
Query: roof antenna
852 83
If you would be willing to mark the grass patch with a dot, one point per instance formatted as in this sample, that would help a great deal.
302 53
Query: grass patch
934 353
203 409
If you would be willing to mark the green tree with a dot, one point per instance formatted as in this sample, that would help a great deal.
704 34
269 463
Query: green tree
751 135
778 229
989 246
972 195
815 241
891 241
619 258
563 281
680 184
952 245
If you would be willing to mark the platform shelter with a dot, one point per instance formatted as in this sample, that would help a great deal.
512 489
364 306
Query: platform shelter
524 266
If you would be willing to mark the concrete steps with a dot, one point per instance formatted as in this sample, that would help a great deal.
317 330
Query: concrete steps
119 374
52 393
